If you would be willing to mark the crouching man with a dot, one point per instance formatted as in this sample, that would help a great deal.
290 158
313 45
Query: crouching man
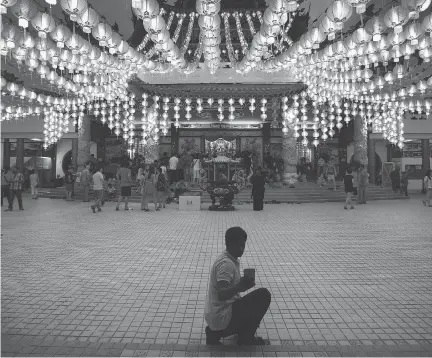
226 313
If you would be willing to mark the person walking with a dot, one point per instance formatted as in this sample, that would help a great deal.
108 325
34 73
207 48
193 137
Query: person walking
124 177
160 188
149 189
428 186
15 188
258 189
226 312
362 184
5 183
98 189
349 189
85 182
34 183
395 180
69 183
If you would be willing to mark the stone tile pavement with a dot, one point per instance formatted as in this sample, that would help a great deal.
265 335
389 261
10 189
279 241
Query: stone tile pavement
343 283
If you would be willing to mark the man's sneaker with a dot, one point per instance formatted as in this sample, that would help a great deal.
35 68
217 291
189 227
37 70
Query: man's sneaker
21 208
212 337
117 208
253 341
345 208
424 202
99 209
9 209
93 209
351 207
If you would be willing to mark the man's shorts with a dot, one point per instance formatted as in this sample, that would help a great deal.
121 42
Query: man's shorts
125 191
331 177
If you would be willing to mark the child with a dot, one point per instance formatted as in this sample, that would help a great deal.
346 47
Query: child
349 189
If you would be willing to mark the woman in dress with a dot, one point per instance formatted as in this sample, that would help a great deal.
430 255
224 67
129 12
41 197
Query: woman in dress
258 189
69 183
149 189
161 184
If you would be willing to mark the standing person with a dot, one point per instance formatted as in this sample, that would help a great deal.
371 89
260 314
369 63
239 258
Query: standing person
69 183
226 312
149 189
98 188
331 176
5 181
196 169
247 162
187 166
428 186
404 183
160 188
85 182
15 188
349 189
34 183
172 170
165 159
181 167
258 189
124 177
362 184
395 179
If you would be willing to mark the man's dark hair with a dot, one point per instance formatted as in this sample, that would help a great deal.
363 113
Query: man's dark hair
349 170
235 234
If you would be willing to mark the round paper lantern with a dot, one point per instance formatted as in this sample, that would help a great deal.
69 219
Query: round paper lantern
376 26
361 36
88 19
60 35
102 32
75 43
208 9
339 11
415 7
43 23
413 31
114 42
5 4
74 8
360 5
24 10
148 9
427 24
26 41
328 27
9 34
395 18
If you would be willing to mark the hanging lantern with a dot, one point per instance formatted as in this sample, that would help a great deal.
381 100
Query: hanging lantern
413 31
102 32
415 7
60 35
360 5
427 24
88 19
5 4
361 36
74 8
43 23
145 9
339 11
395 18
24 10
376 26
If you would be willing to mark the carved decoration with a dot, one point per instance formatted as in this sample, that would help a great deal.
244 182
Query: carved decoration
289 151
360 141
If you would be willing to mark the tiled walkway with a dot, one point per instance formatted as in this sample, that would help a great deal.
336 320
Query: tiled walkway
343 283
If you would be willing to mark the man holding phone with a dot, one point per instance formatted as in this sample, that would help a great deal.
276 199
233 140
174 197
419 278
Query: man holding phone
226 313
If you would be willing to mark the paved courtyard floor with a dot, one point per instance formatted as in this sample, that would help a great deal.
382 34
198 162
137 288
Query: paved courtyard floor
343 283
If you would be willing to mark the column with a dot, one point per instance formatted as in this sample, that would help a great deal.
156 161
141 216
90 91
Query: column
20 154
6 153
360 140
83 144
425 154
372 170
289 155
52 153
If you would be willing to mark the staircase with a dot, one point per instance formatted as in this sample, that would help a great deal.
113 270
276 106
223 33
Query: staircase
302 193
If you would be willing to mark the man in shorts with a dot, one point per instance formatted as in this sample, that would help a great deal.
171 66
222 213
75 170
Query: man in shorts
124 177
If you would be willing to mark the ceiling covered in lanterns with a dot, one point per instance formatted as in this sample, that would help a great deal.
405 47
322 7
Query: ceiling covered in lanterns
147 59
